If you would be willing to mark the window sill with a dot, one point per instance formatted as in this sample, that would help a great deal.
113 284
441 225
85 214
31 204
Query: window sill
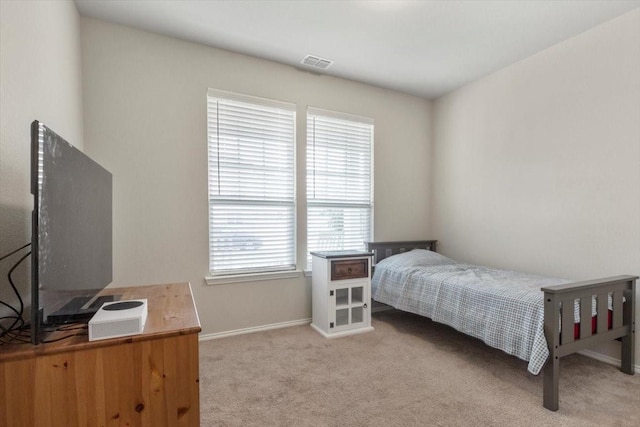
252 277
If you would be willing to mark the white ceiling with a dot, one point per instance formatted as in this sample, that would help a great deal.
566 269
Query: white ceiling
426 48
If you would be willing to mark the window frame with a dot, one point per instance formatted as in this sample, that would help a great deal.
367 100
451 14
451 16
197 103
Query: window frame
265 272
314 111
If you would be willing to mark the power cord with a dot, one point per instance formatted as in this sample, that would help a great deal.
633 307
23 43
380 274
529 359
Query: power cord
19 331
15 332
13 252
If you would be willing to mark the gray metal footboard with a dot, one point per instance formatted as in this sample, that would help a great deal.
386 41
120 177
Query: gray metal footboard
561 299
382 250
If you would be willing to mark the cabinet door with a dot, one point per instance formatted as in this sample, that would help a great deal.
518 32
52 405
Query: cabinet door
348 306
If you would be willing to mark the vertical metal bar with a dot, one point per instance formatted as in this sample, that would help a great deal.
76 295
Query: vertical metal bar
585 316
617 309
567 317
552 367
628 341
603 313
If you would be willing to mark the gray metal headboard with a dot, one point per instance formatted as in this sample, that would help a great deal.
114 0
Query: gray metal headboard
382 250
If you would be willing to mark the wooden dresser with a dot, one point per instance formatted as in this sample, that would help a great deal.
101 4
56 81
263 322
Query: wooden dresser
150 379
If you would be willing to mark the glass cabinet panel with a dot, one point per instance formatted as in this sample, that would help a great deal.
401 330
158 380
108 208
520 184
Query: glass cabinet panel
357 315
342 317
342 296
357 294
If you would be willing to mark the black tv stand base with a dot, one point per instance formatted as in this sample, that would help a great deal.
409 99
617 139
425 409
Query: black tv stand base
79 310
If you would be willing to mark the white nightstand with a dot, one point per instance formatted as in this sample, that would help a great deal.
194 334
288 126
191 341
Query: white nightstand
341 293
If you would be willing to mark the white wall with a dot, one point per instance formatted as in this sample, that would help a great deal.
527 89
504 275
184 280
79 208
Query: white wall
40 78
145 121
537 167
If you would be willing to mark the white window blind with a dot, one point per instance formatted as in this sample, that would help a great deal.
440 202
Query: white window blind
251 184
339 182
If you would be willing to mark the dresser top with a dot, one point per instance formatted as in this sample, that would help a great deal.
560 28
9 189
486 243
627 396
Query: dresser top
171 311
342 254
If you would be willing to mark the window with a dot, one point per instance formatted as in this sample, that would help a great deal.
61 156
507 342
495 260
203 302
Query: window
251 184
339 177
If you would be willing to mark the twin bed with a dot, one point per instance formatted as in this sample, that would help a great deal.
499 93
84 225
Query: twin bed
522 314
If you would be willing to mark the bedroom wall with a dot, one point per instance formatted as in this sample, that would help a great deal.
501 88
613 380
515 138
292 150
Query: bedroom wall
40 78
537 167
145 121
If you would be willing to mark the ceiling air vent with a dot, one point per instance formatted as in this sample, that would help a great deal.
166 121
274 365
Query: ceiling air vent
316 62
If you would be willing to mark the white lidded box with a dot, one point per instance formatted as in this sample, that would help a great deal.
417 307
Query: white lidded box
118 319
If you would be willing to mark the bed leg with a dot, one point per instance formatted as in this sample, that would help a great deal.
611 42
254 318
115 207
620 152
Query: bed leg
551 382
628 341
627 355
550 391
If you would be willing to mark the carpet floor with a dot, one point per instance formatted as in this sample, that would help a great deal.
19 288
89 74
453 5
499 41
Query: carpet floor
409 371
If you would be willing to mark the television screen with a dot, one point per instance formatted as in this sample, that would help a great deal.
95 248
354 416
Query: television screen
71 231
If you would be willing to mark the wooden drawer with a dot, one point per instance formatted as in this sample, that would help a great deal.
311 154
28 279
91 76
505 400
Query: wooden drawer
350 269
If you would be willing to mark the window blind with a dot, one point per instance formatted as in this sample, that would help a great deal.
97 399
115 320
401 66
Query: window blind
251 184
339 182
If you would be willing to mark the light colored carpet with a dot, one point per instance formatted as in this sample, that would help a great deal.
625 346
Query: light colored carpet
410 371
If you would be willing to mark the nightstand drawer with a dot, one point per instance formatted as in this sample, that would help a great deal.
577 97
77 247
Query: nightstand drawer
350 269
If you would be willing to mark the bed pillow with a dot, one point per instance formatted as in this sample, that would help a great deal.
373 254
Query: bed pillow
415 258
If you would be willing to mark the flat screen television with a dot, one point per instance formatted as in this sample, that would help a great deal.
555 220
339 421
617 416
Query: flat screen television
71 236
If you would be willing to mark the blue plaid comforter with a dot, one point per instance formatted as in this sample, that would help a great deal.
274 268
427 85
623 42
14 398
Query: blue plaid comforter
503 308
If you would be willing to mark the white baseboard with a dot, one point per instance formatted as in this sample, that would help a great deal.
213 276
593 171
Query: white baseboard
606 359
207 337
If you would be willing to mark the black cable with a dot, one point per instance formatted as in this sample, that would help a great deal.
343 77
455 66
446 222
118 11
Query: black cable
62 338
20 336
18 312
18 324
11 253
6 330
72 327
18 321
10 317
15 339
16 335
64 328
12 308
11 281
